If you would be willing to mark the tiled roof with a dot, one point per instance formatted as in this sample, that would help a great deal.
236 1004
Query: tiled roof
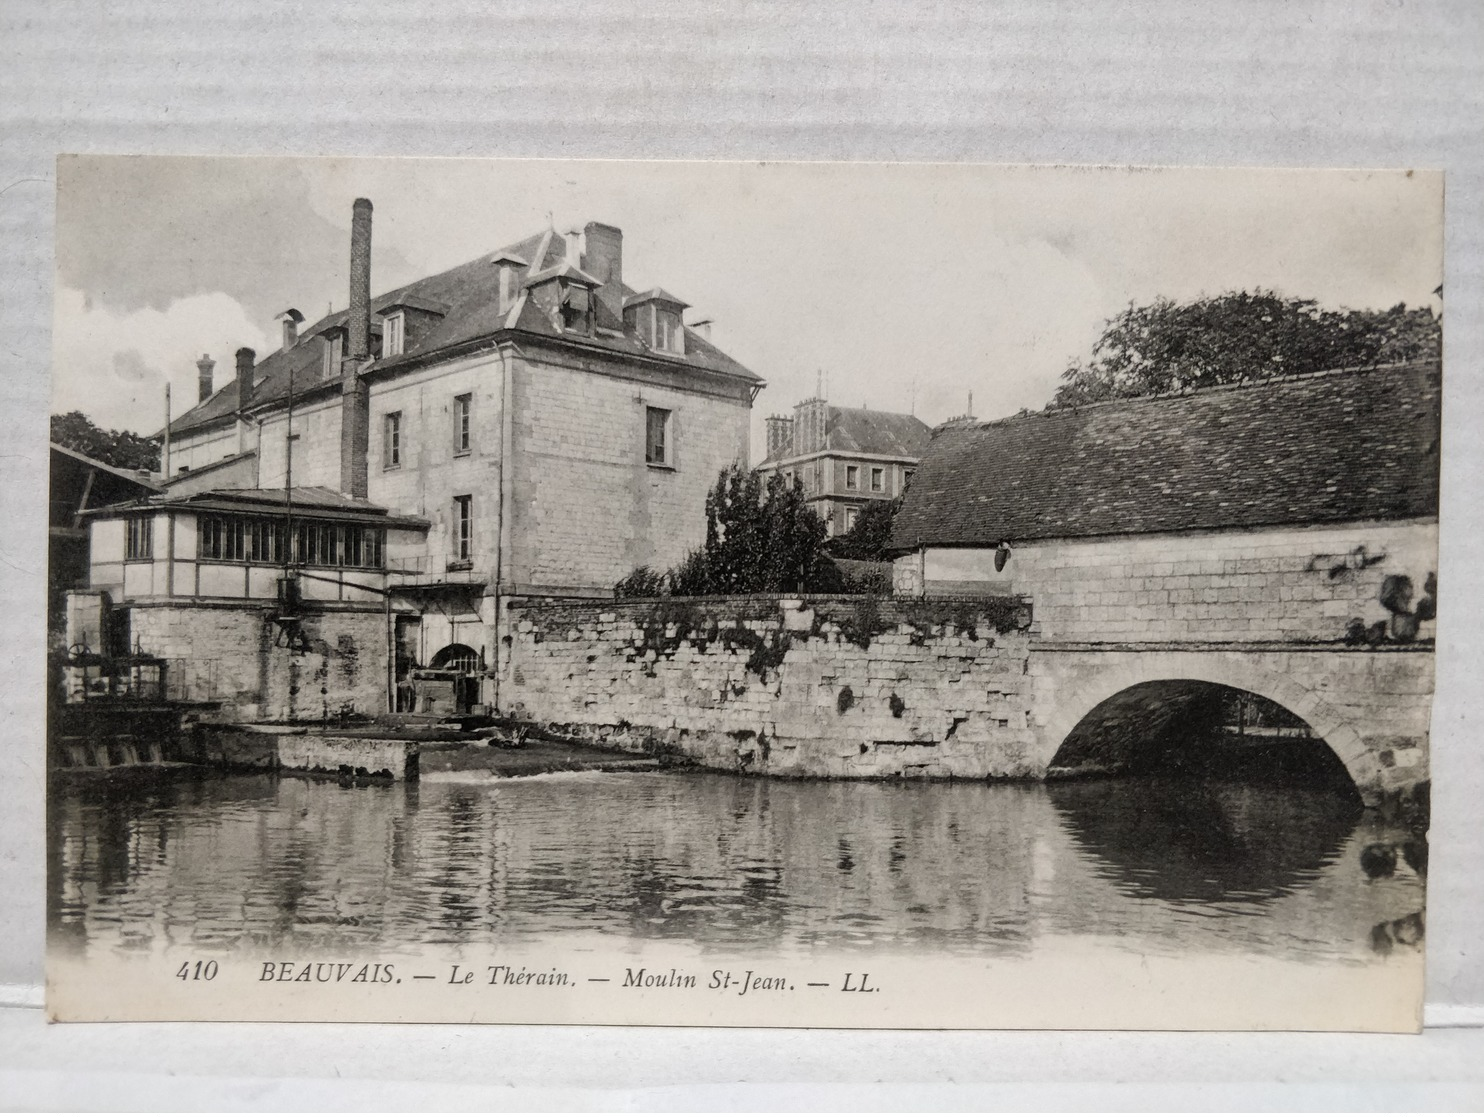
1331 447
469 296
862 431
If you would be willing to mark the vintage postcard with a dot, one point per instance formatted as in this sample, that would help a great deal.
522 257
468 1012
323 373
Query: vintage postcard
790 594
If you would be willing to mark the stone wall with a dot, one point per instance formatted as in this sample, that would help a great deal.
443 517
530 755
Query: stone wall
783 686
205 447
1289 584
229 655
587 508
316 444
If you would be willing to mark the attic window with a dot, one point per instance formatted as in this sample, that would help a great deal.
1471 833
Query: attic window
334 349
393 334
577 308
667 334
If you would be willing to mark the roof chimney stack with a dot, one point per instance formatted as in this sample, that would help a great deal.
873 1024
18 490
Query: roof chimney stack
703 328
360 282
290 319
780 430
204 368
810 426
604 262
245 358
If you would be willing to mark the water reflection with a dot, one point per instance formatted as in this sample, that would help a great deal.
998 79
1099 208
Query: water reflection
718 861
1205 842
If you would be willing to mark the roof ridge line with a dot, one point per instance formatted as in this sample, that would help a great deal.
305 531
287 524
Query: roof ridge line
1194 393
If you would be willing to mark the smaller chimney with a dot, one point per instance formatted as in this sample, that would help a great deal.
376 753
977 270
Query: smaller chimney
204 368
245 358
703 328
780 430
574 246
290 319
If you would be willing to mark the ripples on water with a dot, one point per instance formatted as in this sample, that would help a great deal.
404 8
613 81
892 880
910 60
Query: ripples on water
719 861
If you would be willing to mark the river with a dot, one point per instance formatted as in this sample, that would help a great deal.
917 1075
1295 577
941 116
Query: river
716 861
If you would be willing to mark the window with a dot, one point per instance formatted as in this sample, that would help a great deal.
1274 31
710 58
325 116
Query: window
667 334
334 348
259 540
878 480
393 333
220 538
391 449
577 309
907 477
850 518
656 436
788 478
852 476
141 538
463 528
462 435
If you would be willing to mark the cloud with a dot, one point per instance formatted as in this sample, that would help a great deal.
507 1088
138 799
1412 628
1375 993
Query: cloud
112 365
138 232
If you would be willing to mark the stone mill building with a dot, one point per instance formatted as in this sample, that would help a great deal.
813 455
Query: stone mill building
341 518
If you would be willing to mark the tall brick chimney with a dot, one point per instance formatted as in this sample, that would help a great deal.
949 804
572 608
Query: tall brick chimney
245 358
204 368
355 396
604 261
359 342
780 430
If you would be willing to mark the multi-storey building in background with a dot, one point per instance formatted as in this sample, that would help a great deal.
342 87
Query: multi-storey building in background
844 457
356 504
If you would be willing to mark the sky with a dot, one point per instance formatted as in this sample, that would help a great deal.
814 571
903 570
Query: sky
902 287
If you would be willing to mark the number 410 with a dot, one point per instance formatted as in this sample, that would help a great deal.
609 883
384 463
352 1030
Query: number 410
200 971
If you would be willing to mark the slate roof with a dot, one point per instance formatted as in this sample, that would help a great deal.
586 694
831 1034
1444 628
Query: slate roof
130 475
321 502
860 430
1331 447
469 296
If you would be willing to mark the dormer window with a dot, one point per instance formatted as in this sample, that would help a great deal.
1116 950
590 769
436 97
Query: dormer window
393 334
403 322
576 308
334 342
655 317
667 335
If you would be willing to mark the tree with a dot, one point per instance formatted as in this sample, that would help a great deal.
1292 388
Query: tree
869 538
759 539
1239 337
120 449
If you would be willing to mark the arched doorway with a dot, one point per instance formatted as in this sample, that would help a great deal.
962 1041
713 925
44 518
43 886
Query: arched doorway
456 657
1193 727
449 685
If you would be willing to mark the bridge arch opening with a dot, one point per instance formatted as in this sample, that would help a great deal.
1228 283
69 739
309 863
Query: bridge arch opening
1177 727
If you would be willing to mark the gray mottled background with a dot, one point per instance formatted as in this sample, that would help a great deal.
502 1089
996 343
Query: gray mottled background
1382 83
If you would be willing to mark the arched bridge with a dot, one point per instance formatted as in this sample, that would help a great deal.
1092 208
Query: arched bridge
1369 705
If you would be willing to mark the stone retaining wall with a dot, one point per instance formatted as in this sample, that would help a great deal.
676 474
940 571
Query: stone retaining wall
808 686
229 653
